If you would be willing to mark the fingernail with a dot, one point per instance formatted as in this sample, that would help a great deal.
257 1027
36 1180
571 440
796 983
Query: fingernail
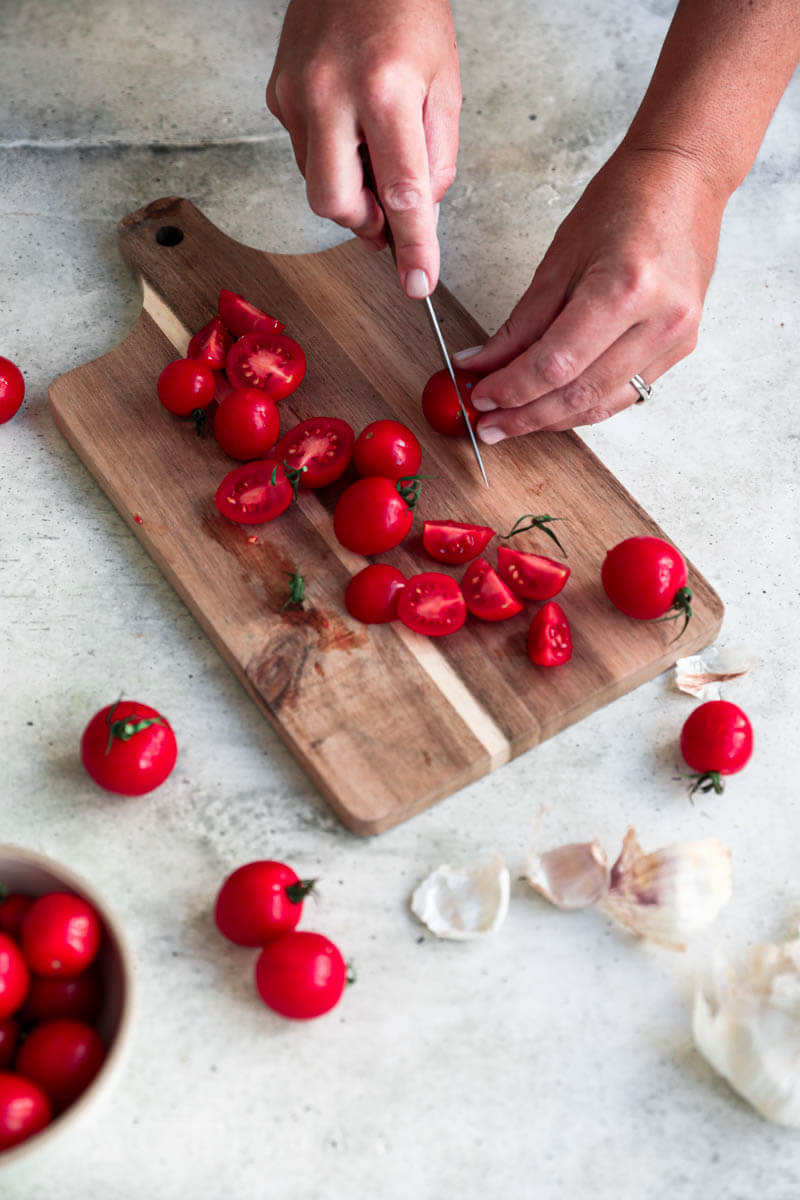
436 208
463 355
491 434
417 286
483 403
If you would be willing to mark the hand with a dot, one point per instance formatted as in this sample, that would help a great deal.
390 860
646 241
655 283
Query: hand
619 293
383 72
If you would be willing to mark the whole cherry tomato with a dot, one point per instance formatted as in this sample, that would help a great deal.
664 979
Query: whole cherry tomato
9 1036
186 387
485 593
246 423
12 910
549 637
374 514
371 595
12 389
300 975
79 997
60 935
128 748
63 1057
14 977
440 402
259 901
716 740
645 577
24 1109
387 448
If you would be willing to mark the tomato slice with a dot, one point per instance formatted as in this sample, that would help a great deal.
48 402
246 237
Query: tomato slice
453 542
532 576
240 316
485 593
371 595
432 603
271 361
211 344
321 447
255 492
549 637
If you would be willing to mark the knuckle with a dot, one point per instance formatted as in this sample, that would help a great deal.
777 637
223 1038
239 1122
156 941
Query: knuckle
384 85
327 204
635 284
556 367
581 395
319 81
593 416
681 320
401 195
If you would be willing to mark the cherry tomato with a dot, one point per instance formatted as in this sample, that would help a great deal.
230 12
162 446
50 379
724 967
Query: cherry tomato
240 316
14 977
371 595
211 344
645 577
63 1057
12 910
485 593
256 492
60 935
78 998
246 423
374 514
259 901
440 403
453 542
387 448
128 748
186 386
549 637
716 740
9 1036
532 576
300 975
432 603
12 389
271 361
24 1109
320 447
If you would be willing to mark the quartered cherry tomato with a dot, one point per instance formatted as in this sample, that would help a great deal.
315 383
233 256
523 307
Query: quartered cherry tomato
272 361
259 901
645 577
374 514
12 910
256 492
63 1057
301 975
14 977
240 316
440 403
247 424
211 344
24 1109
432 603
186 387
60 935
485 593
320 447
12 389
78 997
9 1036
454 542
128 748
387 448
549 637
716 740
532 576
371 595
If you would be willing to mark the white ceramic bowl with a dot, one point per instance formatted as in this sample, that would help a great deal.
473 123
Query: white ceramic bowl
34 874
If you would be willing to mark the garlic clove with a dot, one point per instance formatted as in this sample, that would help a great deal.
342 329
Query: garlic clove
670 894
701 674
572 876
463 902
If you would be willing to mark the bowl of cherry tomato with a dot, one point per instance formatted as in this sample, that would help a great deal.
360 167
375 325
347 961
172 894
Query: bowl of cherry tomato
66 994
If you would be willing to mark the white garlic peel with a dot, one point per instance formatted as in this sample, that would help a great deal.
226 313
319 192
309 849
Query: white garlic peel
702 674
572 876
748 1027
464 902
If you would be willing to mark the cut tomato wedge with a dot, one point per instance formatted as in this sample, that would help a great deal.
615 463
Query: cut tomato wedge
211 344
550 637
485 593
432 603
255 492
240 316
371 595
272 361
532 576
321 447
453 542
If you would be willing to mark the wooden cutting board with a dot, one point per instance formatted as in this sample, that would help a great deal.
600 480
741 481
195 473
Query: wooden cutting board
384 721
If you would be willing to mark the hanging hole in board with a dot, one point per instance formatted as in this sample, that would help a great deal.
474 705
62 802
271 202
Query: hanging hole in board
169 235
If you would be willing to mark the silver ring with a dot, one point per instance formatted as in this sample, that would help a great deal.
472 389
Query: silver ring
644 389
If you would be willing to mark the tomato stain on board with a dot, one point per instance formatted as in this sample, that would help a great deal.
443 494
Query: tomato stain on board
150 526
331 631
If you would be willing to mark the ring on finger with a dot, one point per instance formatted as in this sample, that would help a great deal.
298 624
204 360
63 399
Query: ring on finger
644 389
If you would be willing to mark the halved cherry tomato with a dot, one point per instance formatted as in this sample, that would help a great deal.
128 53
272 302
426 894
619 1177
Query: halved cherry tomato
440 403
371 595
716 740
62 1057
387 448
24 1109
485 593
532 576
128 748
12 910
9 1036
211 344
240 316
432 603
453 542
320 447
259 901
60 935
272 361
255 492
550 637
247 424
186 386
301 975
645 577
14 977
374 514
12 389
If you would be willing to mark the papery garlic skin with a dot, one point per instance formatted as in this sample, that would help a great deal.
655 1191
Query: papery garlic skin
748 1027
572 876
702 674
464 902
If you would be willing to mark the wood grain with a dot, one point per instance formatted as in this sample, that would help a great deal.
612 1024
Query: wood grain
385 722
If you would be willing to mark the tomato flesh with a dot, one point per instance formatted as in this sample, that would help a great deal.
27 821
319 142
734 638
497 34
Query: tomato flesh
211 344
486 594
532 576
440 403
387 448
24 1109
301 975
550 637
321 447
128 748
12 389
642 576
454 542
432 603
258 902
371 595
240 316
254 493
272 361
186 386
246 423
371 516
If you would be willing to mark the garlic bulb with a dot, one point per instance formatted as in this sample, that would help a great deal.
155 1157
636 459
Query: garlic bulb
572 876
748 1027
463 902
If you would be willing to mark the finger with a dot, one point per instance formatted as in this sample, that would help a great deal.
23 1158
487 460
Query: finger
281 103
334 175
530 318
440 116
621 398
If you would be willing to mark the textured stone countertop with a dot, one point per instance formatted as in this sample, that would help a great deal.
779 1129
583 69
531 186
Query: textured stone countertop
554 1059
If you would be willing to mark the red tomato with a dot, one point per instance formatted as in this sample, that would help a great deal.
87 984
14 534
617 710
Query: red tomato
432 603
259 901
12 910
256 492
240 316
78 998
320 447
531 576
452 542
12 389
186 387
9 1036
387 448
246 423
63 1057
371 595
549 637
128 748
24 1109
300 975
60 935
485 593
271 361
645 577
14 977
374 514
211 344
440 403
716 739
